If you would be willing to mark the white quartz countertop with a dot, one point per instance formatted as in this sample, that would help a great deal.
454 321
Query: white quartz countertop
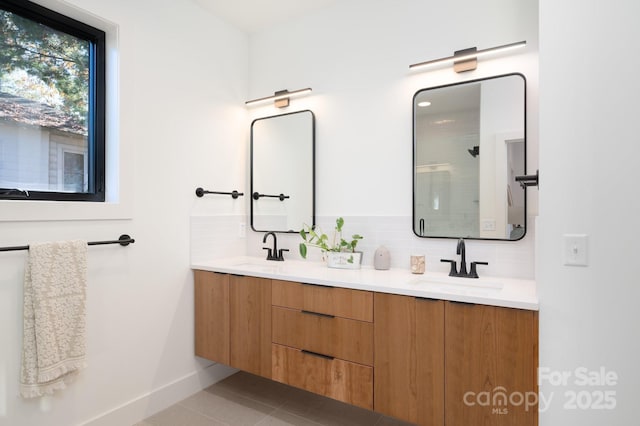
495 291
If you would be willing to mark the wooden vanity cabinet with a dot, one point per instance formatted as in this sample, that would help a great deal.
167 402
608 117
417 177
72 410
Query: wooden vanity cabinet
437 362
323 340
211 296
425 361
324 334
492 350
409 358
250 324
233 321
337 301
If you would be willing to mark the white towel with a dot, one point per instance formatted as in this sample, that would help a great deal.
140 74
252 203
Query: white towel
54 340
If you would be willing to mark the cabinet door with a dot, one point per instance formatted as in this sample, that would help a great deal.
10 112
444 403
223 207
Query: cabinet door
430 361
491 363
409 363
250 324
211 295
395 390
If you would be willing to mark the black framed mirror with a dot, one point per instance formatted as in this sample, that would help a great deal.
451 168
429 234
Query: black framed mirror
469 144
283 172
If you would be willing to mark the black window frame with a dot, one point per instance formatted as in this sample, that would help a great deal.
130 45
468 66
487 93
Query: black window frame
96 138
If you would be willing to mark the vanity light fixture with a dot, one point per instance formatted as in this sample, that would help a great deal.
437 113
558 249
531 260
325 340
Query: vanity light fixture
424 104
467 59
280 98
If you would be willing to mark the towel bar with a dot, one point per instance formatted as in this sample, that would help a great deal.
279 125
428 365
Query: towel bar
234 194
123 240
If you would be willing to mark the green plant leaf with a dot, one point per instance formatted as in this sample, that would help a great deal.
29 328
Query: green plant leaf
314 237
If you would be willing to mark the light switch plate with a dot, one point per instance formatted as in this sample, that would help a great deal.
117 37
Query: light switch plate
575 249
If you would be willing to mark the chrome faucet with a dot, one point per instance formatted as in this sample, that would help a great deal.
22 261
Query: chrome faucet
273 254
453 272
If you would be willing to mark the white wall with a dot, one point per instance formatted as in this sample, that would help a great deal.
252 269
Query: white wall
183 82
589 151
355 56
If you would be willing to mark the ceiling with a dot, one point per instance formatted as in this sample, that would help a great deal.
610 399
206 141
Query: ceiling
255 15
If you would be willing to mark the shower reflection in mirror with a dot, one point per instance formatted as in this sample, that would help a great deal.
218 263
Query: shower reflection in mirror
469 144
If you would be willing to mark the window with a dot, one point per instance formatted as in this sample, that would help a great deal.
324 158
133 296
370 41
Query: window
52 105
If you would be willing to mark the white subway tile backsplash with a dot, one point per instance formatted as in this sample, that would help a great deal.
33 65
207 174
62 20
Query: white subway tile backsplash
217 236
214 237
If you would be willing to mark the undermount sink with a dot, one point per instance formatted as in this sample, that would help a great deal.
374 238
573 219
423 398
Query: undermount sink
463 286
260 266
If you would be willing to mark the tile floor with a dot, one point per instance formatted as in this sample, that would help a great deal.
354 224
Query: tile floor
245 399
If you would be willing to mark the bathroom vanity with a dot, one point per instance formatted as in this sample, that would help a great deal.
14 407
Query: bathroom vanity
426 349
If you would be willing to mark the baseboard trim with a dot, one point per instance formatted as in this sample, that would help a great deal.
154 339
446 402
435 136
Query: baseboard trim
158 399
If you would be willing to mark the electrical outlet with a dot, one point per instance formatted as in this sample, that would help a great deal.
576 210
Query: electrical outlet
575 249
242 230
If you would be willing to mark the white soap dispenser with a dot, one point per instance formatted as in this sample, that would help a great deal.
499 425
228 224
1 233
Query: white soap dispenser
382 258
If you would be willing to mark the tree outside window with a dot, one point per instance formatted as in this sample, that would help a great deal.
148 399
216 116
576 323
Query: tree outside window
51 105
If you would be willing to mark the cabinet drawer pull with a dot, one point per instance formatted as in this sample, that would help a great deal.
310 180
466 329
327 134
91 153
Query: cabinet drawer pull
426 299
318 285
317 314
461 303
304 351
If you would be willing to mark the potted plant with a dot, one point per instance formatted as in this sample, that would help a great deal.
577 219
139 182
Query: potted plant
339 252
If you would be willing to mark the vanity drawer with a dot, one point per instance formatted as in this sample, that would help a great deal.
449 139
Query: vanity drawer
341 302
342 338
342 380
